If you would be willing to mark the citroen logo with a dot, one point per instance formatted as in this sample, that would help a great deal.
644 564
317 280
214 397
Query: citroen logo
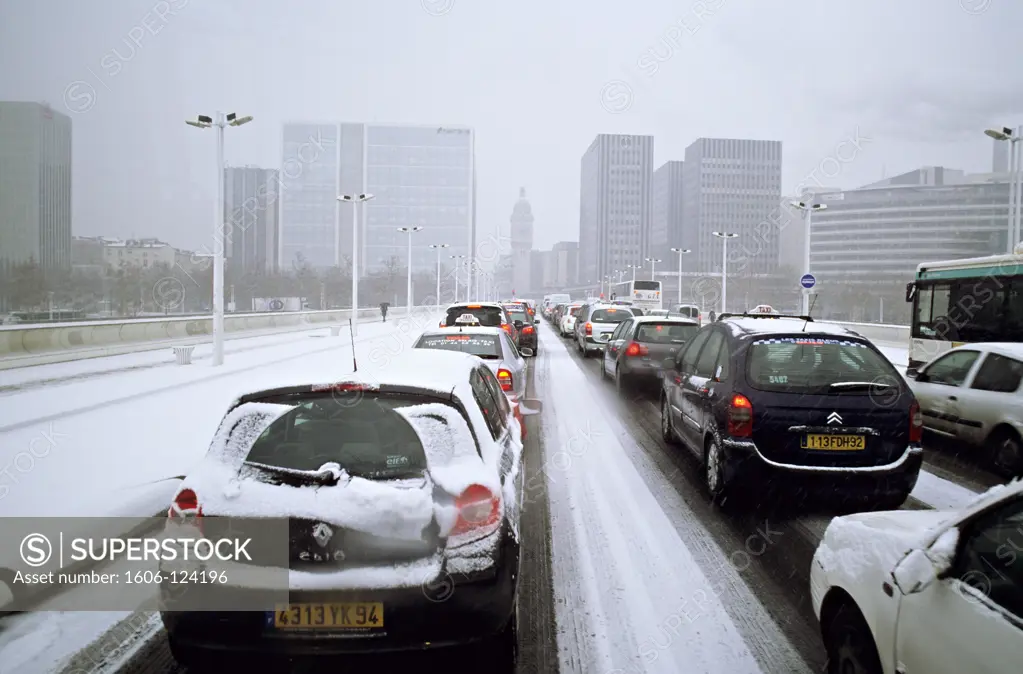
322 534
834 418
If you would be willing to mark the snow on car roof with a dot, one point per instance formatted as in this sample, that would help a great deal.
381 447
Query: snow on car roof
496 305
786 326
661 318
465 329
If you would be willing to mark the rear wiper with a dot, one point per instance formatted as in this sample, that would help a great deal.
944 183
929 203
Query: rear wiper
853 385
489 356
325 477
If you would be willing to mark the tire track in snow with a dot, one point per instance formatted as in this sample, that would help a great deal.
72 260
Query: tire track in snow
653 579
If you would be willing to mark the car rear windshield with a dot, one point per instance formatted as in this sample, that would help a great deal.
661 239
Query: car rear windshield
573 311
485 346
518 316
688 312
489 317
359 431
646 285
610 315
817 365
666 333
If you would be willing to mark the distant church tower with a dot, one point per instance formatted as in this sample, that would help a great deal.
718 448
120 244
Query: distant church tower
521 243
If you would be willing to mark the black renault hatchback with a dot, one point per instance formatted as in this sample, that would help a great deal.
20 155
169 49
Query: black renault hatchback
781 403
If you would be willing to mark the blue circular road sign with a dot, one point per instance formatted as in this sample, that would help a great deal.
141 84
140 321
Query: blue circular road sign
807 281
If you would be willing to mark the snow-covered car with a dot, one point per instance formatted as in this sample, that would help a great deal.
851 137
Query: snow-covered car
402 492
492 345
935 592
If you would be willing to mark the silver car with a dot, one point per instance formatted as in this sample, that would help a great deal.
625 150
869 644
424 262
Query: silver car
973 394
492 345
594 324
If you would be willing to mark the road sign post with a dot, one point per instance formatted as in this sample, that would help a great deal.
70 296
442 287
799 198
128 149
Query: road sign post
807 281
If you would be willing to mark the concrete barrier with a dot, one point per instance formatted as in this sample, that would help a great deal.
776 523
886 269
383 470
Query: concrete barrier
879 332
23 345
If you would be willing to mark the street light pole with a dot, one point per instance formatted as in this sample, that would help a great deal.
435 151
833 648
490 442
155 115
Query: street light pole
221 121
458 264
653 267
681 252
724 236
808 208
408 290
355 200
438 247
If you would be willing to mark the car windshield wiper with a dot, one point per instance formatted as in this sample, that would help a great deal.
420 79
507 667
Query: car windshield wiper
325 477
854 385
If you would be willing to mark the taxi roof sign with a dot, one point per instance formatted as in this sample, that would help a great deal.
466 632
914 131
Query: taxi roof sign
467 319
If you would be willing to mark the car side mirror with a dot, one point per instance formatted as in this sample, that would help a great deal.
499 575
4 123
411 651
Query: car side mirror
530 407
536 321
915 573
527 352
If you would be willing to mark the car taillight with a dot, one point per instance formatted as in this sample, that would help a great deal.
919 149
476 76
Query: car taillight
443 324
517 412
505 377
634 349
916 423
479 512
740 417
506 327
528 330
589 329
186 504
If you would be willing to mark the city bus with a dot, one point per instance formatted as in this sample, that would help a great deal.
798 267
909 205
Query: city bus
961 301
645 295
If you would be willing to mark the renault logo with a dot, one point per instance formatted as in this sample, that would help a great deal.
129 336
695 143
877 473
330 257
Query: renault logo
322 534
834 418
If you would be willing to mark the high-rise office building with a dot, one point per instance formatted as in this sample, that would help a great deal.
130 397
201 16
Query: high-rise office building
614 204
250 218
35 186
521 245
734 186
666 219
420 176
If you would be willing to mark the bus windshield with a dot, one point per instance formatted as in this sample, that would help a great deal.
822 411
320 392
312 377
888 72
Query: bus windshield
646 285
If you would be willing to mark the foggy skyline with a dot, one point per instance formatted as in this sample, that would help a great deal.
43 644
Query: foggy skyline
917 83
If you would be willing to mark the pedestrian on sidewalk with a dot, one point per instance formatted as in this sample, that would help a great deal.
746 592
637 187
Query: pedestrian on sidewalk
383 310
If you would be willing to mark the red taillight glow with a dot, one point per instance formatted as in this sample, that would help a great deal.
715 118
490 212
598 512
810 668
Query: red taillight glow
589 329
479 511
186 504
528 330
506 327
517 412
916 423
634 349
740 417
505 377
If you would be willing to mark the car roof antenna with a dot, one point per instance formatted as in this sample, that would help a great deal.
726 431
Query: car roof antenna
810 311
351 331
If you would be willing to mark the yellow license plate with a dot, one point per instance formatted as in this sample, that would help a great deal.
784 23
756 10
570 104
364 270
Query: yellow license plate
835 442
329 616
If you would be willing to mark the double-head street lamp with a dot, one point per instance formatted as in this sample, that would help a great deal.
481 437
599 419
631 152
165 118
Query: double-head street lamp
355 200
653 267
1015 180
724 236
220 121
438 247
681 252
458 264
410 231
809 208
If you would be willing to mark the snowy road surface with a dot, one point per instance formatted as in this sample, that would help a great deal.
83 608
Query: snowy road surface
625 566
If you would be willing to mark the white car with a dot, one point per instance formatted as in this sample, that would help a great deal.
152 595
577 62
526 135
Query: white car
974 394
568 320
924 591
391 483
491 345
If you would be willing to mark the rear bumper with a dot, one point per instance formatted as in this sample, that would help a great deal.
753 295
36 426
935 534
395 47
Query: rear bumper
748 466
642 371
445 612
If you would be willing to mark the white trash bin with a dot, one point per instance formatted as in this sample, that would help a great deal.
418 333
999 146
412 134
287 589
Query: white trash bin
335 330
183 354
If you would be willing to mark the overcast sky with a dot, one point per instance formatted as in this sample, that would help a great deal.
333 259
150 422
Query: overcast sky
916 80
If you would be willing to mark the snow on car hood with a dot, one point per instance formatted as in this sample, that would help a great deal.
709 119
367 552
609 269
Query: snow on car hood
855 543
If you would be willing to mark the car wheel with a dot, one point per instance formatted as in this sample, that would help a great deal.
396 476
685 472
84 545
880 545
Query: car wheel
500 653
621 383
714 475
603 369
667 428
888 501
850 645
191 660
1006 453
